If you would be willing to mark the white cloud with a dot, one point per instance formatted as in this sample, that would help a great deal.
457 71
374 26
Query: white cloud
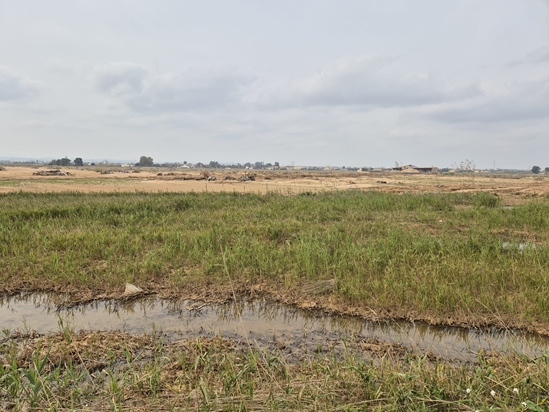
14 87
141 91
538 56
120 79
308 101
369 82
512 102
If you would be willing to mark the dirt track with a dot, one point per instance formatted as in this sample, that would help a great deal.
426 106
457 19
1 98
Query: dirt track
512 188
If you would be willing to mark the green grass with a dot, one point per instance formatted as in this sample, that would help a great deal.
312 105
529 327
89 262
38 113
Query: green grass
430 254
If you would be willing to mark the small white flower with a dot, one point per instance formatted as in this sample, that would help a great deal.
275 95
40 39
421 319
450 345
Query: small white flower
468 390
515 390
523 404
493 392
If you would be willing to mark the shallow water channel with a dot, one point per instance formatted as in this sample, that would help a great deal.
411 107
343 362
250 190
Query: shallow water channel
258 322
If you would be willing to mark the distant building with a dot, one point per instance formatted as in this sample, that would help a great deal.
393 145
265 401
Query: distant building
428 169
415 169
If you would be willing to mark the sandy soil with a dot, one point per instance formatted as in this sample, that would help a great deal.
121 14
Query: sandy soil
513 188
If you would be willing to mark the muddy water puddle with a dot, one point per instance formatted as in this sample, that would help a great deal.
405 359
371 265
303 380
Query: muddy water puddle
260 323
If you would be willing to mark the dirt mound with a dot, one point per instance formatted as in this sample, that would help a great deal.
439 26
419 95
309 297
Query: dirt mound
54 172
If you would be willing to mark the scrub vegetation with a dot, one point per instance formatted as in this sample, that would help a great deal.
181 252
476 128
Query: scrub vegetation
117 371
453 258
448 258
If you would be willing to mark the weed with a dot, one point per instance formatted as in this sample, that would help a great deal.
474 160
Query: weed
428 253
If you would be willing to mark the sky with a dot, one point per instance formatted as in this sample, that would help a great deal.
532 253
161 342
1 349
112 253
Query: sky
313 82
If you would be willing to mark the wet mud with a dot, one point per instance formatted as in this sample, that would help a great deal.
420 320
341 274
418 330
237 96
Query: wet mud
260 323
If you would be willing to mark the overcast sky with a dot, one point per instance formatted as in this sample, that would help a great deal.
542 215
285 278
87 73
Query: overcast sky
316 82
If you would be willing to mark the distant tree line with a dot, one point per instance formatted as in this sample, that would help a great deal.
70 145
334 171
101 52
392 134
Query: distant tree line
67 162
257 165
146 161
537 170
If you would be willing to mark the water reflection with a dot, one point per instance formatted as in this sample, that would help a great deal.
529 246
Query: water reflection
261 322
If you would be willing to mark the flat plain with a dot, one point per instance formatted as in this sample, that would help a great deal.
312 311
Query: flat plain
512 187
457 251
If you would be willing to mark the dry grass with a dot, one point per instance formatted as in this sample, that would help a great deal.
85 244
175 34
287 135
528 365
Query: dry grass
98 371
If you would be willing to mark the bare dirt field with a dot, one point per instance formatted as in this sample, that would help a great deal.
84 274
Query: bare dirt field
511 188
